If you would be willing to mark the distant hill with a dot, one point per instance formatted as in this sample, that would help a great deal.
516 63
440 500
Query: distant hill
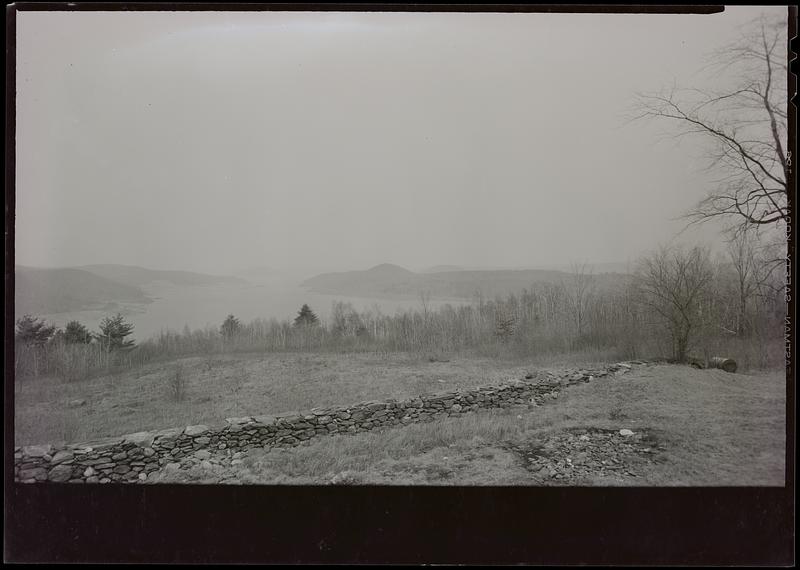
138 276
442 269
61 290
596 268
284 276
394 281
382 280
44 291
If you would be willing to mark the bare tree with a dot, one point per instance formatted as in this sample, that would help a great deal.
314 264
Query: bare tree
674 283
579 292
744 123
425 301
742 251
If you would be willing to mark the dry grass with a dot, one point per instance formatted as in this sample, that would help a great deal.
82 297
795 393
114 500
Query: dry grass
214 388
718 429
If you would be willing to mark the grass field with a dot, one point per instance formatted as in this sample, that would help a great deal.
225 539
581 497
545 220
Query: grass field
49 410
691 428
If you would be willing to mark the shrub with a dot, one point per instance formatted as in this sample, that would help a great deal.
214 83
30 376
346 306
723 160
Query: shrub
177 383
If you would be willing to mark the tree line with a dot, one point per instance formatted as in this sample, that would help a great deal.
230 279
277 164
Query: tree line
680 304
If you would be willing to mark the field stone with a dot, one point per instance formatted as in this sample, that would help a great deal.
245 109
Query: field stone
101 445
625 432
36 450
60 473
170 434
62 456
202 454
140 438
89 472
266 420
36 474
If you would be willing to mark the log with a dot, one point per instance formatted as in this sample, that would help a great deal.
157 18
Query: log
726 364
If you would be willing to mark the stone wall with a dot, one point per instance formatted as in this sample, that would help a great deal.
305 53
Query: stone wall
133 457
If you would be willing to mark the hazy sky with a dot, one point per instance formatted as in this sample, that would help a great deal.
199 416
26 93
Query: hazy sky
215 141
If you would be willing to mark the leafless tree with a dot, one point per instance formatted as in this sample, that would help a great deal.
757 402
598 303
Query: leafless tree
742 254
425 302
579 292
674 283
745 124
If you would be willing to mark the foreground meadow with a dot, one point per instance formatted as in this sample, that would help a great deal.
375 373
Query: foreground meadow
689 428
206 390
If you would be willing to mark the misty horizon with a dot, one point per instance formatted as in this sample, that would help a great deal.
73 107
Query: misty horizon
221 142
295 270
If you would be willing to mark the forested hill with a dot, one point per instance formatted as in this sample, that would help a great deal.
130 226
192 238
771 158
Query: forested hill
40 291
44 291
394 281
137 276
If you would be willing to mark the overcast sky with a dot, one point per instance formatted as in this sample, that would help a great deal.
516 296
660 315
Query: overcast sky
216 141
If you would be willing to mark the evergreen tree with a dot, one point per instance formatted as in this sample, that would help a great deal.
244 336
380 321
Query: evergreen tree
305 317
33 330
76 333
113 331
230 327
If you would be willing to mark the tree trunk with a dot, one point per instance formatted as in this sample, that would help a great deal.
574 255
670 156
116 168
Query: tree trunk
681 346
743 329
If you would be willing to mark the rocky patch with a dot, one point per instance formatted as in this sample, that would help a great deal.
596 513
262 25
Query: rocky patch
576 455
